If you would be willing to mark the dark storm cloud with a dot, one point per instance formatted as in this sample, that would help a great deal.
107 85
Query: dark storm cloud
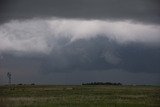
147 11
63 45
99 54
96 54
85 60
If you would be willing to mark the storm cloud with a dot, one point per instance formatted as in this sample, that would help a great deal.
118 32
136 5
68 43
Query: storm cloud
41 36
80 41
85 45
87 60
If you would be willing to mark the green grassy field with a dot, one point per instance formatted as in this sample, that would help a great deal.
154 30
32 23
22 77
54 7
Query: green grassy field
79 96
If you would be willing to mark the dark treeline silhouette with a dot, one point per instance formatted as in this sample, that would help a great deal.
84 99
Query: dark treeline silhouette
101 83
26 84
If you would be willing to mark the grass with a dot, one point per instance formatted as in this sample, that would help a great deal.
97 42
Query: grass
79 96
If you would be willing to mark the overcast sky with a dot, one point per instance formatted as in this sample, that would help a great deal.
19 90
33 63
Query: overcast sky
75 41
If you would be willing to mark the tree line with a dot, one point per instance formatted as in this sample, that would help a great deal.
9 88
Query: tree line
101 83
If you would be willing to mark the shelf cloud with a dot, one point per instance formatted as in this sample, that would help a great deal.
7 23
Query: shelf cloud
40 36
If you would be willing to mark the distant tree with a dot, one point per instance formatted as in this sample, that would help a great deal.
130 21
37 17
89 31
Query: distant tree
32 83
20 84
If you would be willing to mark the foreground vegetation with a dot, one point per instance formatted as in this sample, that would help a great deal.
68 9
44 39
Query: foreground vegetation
79 96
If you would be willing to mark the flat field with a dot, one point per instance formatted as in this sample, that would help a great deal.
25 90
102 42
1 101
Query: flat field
79 96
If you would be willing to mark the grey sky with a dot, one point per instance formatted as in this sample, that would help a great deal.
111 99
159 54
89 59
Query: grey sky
75 41
144 11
